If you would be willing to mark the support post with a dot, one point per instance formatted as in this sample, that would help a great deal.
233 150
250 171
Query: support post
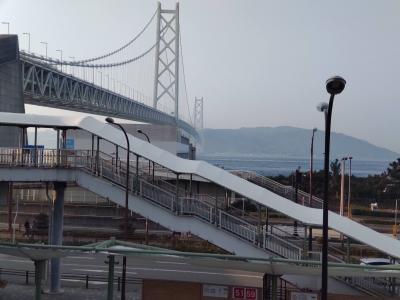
177 190
110 285
123 278
348 250
58 148
190 185
153 172
116 157
39 271
10 203
137 174
259 231
274 287
98 156
35 145
309 239
266 287
57 235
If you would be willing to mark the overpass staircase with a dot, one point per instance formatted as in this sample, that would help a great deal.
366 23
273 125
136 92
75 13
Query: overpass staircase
153 188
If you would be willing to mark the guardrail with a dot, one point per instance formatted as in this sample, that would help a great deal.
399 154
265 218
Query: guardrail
283 190
86 279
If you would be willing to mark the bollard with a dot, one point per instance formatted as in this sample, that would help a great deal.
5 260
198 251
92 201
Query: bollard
87 281
26 277
119 283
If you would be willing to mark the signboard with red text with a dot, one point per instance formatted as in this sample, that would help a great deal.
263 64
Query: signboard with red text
244 293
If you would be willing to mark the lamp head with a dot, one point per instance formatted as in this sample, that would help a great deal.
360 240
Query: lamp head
335 85
139 131
322 107
315 129
110 120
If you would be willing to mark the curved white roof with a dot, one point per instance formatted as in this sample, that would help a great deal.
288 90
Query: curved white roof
311 216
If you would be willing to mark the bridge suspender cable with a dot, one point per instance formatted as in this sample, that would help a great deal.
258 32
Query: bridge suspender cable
83 63
76 64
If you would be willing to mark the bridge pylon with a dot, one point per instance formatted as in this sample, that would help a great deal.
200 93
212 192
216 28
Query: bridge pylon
166 75
198 113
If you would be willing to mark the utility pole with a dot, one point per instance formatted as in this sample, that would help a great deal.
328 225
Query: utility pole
342 171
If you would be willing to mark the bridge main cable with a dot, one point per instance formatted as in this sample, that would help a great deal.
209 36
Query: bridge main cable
83 63
77 64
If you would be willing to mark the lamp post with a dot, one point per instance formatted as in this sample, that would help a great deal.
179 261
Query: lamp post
111 121
349 192
8 26
148 140
147 220
45 45
61 57
311 164
342 171
334 86
29 40
72 67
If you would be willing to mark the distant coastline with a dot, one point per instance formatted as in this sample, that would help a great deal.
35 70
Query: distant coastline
274 166
286 142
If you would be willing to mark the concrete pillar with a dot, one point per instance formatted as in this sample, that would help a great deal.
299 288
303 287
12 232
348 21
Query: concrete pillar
39 272
11 97
57 235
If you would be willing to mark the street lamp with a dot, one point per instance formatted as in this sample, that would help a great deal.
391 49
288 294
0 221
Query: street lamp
111 121
342 177
311 163
45 44
334 86
348 193
148 140
61 57
29 40
72 67
8 26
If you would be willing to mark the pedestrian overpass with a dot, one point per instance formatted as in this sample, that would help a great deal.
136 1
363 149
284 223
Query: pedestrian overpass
153 196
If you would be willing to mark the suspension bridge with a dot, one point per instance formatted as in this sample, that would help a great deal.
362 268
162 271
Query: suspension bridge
135 81
112 84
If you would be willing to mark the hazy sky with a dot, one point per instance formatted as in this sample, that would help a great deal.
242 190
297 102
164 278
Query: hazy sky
255 62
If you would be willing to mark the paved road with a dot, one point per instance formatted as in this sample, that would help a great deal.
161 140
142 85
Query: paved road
137 267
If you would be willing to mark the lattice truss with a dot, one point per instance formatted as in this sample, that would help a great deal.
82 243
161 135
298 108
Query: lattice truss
166 85
52 88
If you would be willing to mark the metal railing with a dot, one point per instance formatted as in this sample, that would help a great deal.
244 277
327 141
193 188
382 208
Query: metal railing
280 189
200 206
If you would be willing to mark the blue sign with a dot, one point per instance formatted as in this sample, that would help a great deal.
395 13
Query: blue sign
70 144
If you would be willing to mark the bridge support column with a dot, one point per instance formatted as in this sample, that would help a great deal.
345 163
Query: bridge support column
57 235
11 97
39 271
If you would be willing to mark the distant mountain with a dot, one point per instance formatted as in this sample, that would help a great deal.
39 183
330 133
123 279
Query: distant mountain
286 141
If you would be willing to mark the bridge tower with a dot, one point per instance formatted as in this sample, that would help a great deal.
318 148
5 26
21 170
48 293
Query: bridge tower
198 113
166 75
